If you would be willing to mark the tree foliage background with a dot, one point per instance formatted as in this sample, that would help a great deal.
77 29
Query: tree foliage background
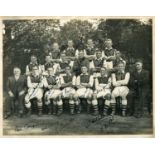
22 38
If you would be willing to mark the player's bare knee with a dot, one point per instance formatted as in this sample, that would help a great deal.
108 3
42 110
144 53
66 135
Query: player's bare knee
124 97
108 97
94 96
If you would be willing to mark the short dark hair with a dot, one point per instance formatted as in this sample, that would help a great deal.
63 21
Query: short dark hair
108 39
98 50
84 66
33 56
139 60
16 67
81 50
121 62
103 68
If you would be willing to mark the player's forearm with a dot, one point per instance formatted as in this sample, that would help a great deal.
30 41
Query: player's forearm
86 85
116 84
31 85
70 58
66 85
122 82
90 57
80 86
10 92
111 58
40 85
107 86
56 87
102 85
61 70
56 60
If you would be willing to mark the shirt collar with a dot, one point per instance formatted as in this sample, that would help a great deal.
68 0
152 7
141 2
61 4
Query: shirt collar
34 63
65 61
99 58
90 45
56 50
139 71
16 76
69 74
84 74
121 72
106 75
70 48
48 63
51 75
37 75
108 48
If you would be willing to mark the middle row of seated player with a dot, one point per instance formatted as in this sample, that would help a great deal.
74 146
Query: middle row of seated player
72 87
59 66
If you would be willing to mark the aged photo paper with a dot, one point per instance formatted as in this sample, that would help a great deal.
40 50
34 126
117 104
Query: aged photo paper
77 76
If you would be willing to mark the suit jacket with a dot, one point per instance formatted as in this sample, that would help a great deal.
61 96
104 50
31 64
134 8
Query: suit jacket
16 86
139 80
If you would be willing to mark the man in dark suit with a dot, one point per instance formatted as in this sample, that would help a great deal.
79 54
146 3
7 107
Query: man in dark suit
139 88
16 88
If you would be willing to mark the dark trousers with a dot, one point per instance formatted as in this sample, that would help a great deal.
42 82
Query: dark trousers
15 104
137 101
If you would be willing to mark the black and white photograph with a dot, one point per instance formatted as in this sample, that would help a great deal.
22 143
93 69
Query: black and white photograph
77 76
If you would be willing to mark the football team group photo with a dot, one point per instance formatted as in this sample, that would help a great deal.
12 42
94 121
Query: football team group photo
77 76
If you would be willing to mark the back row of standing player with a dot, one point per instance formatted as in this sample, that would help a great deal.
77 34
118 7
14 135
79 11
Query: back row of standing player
88 73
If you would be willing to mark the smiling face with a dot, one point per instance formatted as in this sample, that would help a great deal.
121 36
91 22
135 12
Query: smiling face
84 69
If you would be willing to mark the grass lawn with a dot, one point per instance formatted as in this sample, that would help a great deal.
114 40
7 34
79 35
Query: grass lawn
82 124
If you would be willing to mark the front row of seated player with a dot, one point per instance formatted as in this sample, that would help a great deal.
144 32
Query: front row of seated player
55 88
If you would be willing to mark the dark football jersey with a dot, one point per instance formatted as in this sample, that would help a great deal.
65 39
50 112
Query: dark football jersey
70 52
56 54
35 79
67 78
103 80
30 66
109 52
51 80
84 78
120 76
90 51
